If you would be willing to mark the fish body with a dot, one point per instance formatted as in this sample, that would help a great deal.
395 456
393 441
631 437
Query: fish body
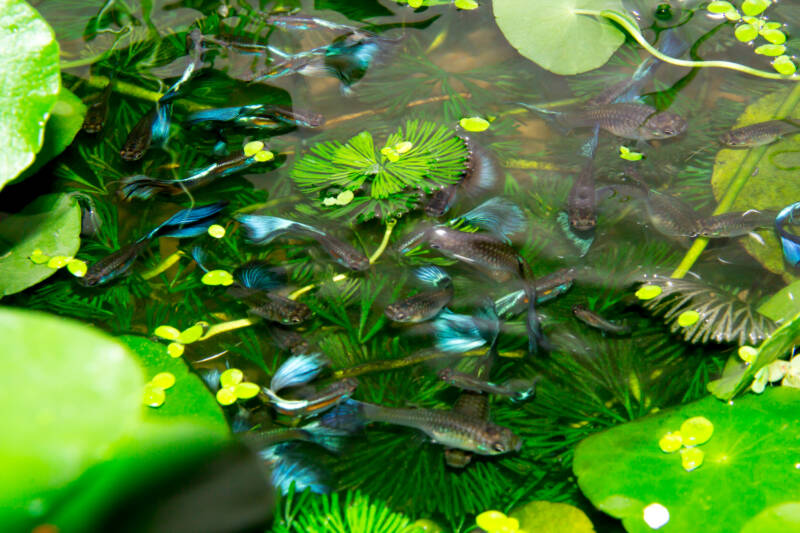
449 428
258 116
97 113
482 251
594 320
114 265
330 439
734 224
515 389
427 304
759 134
441 201
581 200
626 120
261 229
152 127
671 216
325 399
290 340
274 307
302 23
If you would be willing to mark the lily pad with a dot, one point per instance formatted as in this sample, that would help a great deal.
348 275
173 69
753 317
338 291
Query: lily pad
772 187
556 36
68 396
188 399
623 470
51 224
65 122
31 82
551 517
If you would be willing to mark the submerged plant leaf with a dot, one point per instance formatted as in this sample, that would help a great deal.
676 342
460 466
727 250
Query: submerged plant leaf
68 395
623 470
29 67
51 224
784 304
564 41
383 182
723 317
774 186
552 517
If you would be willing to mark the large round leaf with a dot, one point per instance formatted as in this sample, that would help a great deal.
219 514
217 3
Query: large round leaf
774 186
52 224
749 467
69 393
30 82
555 36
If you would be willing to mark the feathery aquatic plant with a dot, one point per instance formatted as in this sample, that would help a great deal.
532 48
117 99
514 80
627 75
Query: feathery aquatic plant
359 180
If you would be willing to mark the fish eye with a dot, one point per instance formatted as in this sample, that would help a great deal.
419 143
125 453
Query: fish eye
498 447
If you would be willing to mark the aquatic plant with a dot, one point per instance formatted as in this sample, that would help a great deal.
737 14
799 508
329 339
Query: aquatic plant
359 181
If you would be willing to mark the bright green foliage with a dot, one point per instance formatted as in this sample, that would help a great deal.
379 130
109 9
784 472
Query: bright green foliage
65 122
773 187
755 7
551 517
69 393
311 513
51 224
623 470
384 183
556 37
784 65
784 304
745 33
29 67
719 6
771 50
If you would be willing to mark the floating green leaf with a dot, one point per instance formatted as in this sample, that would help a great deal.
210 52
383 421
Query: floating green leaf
623 470
784 65
771 50
720 7
782 517
552 517
65 122
771 188
31 82
755 7
51 224
774 36
68 395
565 40
745 33
384 182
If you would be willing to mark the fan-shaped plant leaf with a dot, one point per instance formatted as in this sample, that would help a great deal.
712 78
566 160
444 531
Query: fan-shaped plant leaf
29 67
723 316
385 182
623 470
774 186
556 36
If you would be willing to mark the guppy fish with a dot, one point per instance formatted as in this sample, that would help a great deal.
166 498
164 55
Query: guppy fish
152 127
473 405
516 389
299 22
97 113
481 175
143 187
254 281
789 241
290 340
261 229
734 224
594 320
759 134
547 288
581 200
627 120
299 370
185 223
427 304
258 116
330 439
446 427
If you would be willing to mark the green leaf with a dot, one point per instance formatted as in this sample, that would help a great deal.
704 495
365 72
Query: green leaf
771 188
31 82
623 470
720 7
772 35
784 304
745 33
781 517
755 7
771 50
189 400
52 224
784 65
551 517
69 392
564 41
65 122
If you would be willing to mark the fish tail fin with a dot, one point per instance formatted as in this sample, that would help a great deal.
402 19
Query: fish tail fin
223 114
790 243
457 333
161 124
292 470
189 222
497 216
412 240
346 416
260 275
140 187
297 370
589 149
261 229
200 257
525 388
537 109
533 327
433 275
329 438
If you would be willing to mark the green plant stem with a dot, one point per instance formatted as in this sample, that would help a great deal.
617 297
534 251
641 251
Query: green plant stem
738 181
163 266
224 327
633 30
531 164
269 203
129 89
390 224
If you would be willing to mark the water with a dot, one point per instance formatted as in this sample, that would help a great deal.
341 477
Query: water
436 65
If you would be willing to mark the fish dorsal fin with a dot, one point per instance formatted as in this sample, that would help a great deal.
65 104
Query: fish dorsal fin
500 217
